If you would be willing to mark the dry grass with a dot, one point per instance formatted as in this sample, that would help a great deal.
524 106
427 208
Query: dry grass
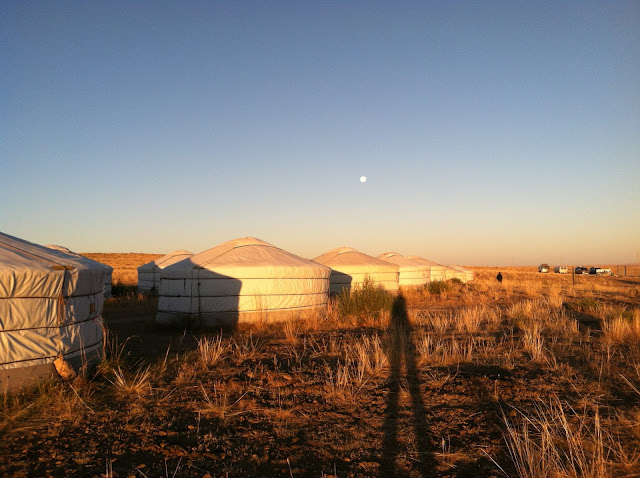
136 383
622 327
292 330
211 349
326 347
220 403
558 441
344 381
533 342
246 347
445 351
369 354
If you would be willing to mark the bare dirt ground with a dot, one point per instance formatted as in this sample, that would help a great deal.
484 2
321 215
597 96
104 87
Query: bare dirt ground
430 388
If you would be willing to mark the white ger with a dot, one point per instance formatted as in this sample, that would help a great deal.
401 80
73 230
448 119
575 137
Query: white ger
240 280
50 312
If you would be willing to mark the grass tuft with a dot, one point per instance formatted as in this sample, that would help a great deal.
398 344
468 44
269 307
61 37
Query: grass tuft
555 440
211 349
138 383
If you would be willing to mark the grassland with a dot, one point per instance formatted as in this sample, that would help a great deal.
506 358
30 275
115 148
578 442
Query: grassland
536 376
125 266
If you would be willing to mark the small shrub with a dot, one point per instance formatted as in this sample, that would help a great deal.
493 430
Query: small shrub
365 300
439 286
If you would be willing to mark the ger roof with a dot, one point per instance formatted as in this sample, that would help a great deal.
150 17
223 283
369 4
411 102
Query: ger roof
166 260
347 257
400 260
248 257
424 261
31 270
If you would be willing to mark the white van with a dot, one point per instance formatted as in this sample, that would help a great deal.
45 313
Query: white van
561 270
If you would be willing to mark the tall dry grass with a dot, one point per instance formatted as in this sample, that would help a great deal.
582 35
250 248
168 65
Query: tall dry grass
344 380
469 319
369 354
445 351
556 440
534 342
621 326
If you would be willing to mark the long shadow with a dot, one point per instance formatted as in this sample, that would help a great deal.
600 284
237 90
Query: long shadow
402 349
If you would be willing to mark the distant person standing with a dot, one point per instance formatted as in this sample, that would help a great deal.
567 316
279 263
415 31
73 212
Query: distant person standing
499 277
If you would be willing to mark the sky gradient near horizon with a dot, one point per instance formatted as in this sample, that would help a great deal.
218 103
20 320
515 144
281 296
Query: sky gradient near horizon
490 133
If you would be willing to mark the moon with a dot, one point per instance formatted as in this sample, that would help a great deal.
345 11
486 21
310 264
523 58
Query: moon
363 179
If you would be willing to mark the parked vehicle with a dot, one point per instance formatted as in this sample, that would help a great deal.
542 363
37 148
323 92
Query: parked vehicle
581 270
543 268
599 271
561 270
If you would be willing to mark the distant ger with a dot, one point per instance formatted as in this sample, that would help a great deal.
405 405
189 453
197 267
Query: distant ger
149 273
350 268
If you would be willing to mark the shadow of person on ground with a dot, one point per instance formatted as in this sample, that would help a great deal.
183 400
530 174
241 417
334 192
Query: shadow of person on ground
402 349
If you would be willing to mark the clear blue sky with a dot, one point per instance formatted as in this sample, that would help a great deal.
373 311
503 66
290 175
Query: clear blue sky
489 132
